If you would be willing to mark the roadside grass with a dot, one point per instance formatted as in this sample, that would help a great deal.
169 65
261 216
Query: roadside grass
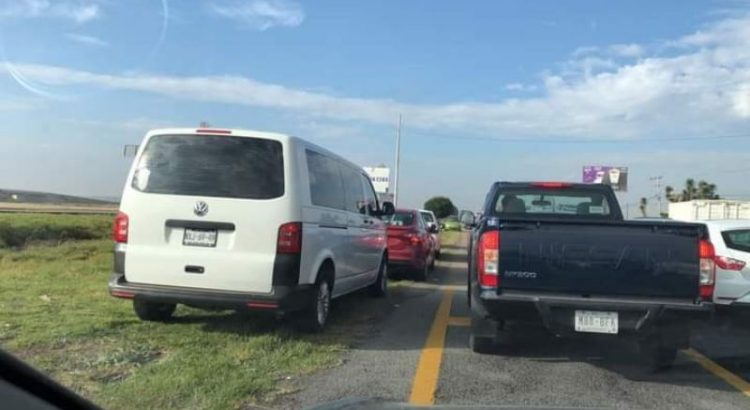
20 229
55 313
451 238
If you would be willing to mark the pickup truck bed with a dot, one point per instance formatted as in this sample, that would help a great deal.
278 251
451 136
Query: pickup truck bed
539 255
587 258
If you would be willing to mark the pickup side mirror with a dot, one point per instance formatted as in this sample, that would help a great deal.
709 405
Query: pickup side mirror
434 228
467 219
387 209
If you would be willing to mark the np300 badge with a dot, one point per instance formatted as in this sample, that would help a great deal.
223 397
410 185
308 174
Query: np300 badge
520 274
200 208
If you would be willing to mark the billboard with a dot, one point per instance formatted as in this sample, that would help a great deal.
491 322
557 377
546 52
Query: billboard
616 177
381 178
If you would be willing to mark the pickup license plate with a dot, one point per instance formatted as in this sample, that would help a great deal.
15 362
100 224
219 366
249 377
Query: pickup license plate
596 322
199 237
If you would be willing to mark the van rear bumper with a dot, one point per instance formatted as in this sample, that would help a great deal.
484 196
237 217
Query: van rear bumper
281 298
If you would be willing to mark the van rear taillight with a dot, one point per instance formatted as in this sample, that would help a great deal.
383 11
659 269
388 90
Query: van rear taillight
488 257
290 238
727 263
120 228
707 269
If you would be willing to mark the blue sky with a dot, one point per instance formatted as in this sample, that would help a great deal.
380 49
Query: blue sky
491 90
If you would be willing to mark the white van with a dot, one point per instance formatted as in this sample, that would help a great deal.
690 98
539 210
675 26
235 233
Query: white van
245 220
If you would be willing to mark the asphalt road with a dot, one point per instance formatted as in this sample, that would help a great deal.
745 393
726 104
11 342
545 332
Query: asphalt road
411 354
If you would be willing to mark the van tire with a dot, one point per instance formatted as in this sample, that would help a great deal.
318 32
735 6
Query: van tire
153 311
379 289
314 317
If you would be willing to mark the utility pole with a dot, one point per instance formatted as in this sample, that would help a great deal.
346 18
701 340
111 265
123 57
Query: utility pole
398 162
657 184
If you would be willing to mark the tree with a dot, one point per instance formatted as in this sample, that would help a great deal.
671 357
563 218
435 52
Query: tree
701 190
441 206
690 192
669 193
643 205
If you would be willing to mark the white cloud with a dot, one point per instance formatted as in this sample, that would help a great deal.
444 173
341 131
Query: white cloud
77 11
17 105
627 50
520 87
87 40
615 50
261 14
697 91
136 124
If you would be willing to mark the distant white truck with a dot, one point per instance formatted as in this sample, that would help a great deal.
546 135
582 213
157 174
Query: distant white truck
709 209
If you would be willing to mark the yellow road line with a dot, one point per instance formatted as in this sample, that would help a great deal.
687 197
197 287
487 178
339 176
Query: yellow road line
459 321
432 286
428 368
736 381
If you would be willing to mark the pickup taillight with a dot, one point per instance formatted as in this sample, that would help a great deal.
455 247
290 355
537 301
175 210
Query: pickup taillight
707 277
488 257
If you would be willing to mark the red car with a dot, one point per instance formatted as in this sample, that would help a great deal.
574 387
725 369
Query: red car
410 243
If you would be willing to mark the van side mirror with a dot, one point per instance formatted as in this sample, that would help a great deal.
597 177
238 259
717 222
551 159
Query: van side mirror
434 229
387 209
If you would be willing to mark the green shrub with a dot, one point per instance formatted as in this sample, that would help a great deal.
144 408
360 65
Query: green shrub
18 230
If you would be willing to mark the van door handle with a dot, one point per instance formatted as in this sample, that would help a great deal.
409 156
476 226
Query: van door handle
194 269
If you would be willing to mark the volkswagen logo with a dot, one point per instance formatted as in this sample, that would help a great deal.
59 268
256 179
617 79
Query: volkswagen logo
200 208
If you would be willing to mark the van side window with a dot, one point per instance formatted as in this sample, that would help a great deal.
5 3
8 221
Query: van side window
326 188
371 199
355 199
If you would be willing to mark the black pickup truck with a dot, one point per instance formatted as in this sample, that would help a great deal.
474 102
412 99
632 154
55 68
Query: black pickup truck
560 255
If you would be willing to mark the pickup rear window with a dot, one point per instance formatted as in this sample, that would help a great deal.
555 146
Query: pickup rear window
211 165
544 201
738 239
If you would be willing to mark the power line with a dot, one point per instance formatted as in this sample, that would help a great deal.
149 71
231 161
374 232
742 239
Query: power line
578 140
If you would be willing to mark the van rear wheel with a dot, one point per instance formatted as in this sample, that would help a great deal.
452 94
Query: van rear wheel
153 311
380 288
314 317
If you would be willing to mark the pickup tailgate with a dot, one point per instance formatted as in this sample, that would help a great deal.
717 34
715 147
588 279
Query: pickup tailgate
601 258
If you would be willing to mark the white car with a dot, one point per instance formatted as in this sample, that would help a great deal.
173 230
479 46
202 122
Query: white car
432 223
731 240
245 220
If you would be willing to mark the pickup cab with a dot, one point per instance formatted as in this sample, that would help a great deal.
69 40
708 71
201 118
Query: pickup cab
561 256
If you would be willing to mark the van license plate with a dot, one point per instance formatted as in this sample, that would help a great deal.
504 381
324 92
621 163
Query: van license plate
199 237
596 322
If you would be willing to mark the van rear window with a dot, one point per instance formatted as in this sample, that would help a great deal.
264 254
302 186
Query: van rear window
211 165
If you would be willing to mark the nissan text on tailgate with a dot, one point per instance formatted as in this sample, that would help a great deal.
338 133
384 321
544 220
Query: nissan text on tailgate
561 255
